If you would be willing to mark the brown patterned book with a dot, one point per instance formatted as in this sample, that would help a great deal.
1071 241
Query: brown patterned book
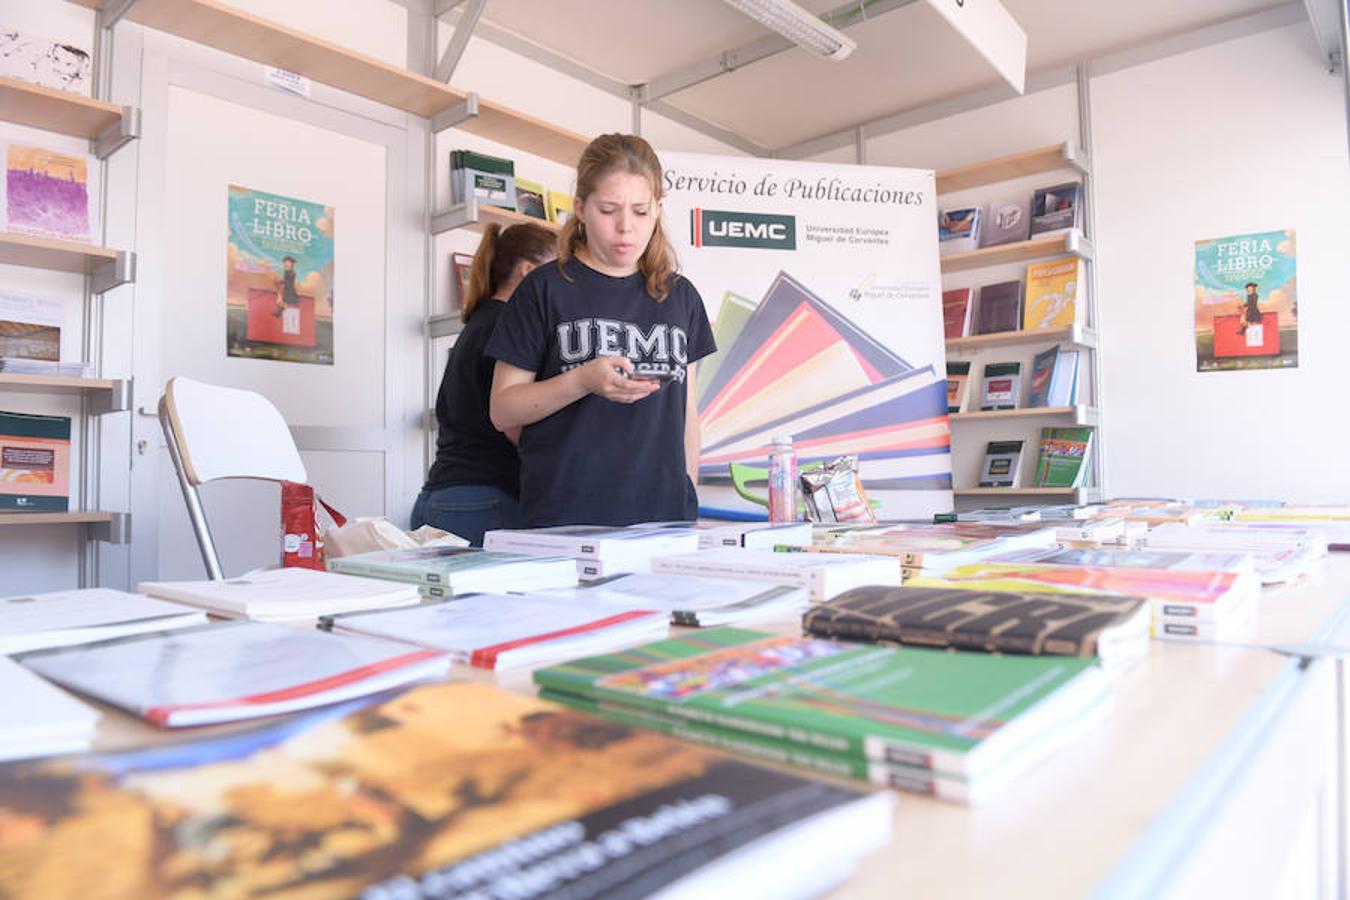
1112 627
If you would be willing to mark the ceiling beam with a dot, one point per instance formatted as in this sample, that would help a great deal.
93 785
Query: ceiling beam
1196 39
459 41
845 16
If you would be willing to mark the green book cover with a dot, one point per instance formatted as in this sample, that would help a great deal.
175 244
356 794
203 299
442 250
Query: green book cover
1064 457
951 712
426 565
731 318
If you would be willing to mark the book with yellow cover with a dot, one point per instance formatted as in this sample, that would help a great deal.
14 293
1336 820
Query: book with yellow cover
559 206
1054 289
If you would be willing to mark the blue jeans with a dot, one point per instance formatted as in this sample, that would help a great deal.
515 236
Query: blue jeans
467 510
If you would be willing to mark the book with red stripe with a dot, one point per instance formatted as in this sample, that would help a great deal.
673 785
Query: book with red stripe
234 670
502 631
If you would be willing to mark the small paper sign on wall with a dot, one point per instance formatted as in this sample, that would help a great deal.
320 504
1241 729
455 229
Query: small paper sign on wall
991 30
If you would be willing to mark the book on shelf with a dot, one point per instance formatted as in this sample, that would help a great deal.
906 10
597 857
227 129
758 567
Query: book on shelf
490 180
459 570
957 307
1042 367
1000 308
1112 629
47 193
30 329
1007 222
1064 459
231 671
1054 294
959 230
823 577
1054 378
283 595
598 542
505 631
41 367
958 385
460 789
691 601
1002 464
1002 385
966 714
45 61
34 463
462 265
38 718
531 199
559 206
62 618
1058 208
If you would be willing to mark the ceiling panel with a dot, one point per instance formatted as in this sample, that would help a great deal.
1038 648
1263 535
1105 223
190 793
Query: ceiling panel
906 58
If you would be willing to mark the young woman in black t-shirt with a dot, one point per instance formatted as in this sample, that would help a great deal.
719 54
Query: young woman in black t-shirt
595 357
474 484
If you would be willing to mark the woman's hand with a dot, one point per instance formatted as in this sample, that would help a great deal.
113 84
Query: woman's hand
609 376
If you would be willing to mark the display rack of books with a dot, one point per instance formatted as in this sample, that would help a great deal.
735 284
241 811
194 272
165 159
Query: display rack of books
48 225
1018 312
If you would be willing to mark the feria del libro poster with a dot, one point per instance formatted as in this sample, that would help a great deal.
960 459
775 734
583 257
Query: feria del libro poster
823 286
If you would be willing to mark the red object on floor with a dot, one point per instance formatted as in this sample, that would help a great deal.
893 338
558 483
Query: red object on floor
266 326
1229 342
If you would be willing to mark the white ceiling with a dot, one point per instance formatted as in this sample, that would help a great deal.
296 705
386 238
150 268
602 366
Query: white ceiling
906 58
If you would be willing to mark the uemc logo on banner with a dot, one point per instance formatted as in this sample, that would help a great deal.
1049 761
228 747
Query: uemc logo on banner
720 228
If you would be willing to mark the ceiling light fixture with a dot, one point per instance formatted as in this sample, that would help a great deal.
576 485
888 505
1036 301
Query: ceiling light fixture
799 26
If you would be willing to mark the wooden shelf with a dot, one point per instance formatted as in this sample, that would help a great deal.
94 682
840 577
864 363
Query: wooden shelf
44 253
252 37
1006 168
55 384
444 325
1074 336
1071 243
53 110
1081 415
475 216
55 518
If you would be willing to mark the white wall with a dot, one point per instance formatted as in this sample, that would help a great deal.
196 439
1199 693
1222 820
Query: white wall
1241 137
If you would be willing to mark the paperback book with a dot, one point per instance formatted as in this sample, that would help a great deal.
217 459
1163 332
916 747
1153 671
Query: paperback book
490 180
39 719
934 548
230 671
451 789
1002 464
751 535
600 542
283 595
1058 208
559 206
1054 291
47 193
1007 222
30 329
1002 385
691 601
531 199
958 385
959 230
460 570
505 631
823 577
1000 307
34 463
62 618
954 713
1064 456
1113 629
957 306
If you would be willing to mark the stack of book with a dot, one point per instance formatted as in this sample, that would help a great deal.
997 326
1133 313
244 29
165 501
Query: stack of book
231 671
752 535
924 549
599 550
283 595
38 719
957 725
1279 552
1331 521
503 631
822 576
448 571
62 618
691 601
451 789
490 180
20 366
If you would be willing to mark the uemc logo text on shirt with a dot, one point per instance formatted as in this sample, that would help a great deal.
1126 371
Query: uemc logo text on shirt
762 231
663 348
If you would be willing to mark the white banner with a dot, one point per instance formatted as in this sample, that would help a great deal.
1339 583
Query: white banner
822 282
993 31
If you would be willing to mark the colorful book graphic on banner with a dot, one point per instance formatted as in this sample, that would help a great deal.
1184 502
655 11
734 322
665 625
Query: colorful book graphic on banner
1063 462
47 193
731 318
898 428
1053 292
34 462
781 300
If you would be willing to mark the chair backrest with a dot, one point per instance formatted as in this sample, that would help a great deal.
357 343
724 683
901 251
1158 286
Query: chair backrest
217 432
229 433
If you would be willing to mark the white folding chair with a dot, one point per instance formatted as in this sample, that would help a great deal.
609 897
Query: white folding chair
217 432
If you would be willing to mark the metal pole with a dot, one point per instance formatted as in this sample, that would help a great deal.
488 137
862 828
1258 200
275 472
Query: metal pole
194 503
1083 81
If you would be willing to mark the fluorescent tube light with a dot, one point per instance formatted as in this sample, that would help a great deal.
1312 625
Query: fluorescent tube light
799 26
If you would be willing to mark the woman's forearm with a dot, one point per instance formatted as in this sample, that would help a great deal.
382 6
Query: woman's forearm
520 403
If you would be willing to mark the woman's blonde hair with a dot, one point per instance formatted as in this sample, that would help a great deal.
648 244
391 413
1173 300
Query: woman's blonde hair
605 155
497 255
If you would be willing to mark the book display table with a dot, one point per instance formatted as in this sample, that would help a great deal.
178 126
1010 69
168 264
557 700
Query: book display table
1217 774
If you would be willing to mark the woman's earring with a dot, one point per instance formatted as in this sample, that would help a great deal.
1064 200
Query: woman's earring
581 230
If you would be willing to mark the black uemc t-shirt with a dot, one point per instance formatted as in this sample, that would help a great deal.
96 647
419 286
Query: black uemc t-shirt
468 449
597 462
